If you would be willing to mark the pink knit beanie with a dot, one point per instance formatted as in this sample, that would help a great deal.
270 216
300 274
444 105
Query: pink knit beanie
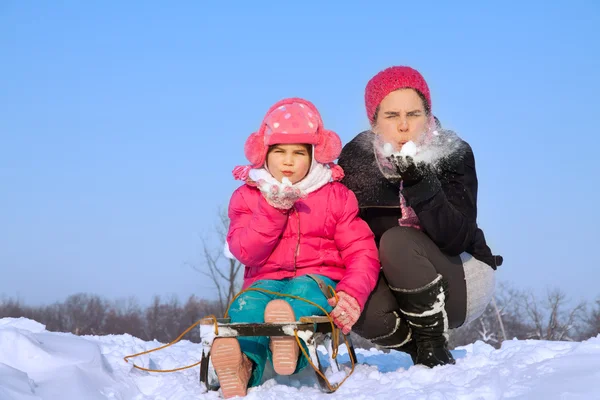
390 79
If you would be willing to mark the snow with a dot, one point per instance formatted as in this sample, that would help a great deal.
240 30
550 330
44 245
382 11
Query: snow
388 149
432 150
37 364
285 182
228 254
409 149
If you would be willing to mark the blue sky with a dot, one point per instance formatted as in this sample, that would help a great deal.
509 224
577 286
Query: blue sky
120 124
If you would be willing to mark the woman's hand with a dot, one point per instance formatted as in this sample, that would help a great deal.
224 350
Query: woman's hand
346 311
410 172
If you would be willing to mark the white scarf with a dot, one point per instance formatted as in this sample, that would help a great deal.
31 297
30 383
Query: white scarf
318 177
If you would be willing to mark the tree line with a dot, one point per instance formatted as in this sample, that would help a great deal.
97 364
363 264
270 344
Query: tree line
512 314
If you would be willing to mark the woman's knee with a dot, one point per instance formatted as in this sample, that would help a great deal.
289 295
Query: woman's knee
400 236
403 256
400 244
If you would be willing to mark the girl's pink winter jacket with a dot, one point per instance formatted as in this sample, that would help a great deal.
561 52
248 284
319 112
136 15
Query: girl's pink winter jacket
322 234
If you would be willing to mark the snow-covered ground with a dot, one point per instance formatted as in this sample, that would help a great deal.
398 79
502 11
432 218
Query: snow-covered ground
37 364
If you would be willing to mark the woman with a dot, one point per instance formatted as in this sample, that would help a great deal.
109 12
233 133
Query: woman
438 272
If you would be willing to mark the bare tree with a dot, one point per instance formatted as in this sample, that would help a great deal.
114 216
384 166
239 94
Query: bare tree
153 318
84 313
592 323
485 328
193 310
499 316
53 316
488 327
224 272
12 308
486 332
125 316
550 319
500 321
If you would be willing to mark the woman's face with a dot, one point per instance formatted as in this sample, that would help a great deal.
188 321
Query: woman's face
401 117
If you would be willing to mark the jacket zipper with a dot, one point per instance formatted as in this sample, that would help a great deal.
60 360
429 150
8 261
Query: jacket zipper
298 242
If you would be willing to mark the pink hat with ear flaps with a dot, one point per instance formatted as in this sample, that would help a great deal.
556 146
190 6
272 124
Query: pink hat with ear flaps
292 121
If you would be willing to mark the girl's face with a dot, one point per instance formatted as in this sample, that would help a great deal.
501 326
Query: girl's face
291 161
401 117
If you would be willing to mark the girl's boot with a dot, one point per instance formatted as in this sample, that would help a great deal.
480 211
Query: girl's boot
285 348
232 367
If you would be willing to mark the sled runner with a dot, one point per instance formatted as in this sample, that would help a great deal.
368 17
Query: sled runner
314 330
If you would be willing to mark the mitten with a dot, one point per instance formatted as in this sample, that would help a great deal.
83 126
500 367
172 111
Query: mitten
418 180
282 196
346 311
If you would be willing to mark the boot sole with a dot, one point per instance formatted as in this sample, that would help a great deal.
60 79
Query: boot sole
285 348
226 357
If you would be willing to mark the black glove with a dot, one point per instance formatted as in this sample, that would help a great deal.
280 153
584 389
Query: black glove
419 181
410 172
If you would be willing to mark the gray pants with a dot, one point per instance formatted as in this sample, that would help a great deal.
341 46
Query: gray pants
410 259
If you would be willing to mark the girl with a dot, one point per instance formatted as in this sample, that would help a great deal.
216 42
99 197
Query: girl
292 226
421 203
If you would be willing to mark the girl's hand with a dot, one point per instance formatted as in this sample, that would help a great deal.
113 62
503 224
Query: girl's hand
346 311
282 197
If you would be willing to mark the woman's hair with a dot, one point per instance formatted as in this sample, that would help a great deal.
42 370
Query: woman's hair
423 99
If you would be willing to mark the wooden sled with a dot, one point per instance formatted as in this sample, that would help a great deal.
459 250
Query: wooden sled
315 331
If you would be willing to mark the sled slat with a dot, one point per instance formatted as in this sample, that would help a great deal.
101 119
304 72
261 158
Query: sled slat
317 319
233 330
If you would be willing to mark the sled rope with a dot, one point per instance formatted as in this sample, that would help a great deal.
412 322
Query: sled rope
126 358
334 333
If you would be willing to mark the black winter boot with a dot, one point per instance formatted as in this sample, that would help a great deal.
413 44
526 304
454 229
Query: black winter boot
424 310
400 339
409 348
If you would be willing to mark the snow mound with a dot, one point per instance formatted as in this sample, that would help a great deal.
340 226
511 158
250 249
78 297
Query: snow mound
37 364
